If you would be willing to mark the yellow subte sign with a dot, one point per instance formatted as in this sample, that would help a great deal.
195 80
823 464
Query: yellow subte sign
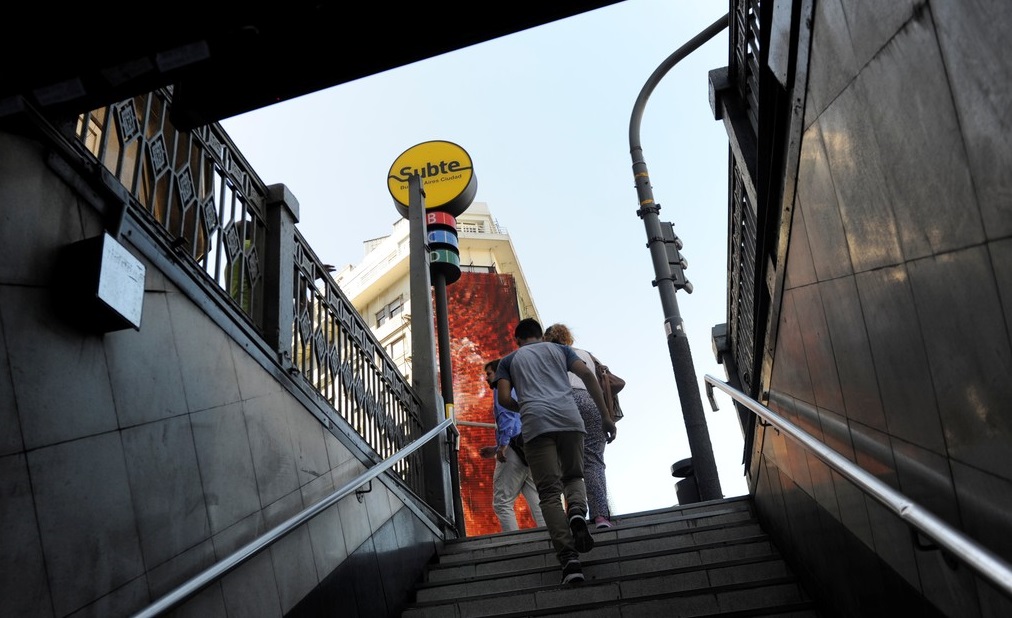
446 172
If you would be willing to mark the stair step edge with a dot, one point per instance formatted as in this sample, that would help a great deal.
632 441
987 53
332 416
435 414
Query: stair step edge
596 594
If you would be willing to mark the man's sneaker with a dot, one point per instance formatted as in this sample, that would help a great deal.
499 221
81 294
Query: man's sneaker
602 522
581 535
572 572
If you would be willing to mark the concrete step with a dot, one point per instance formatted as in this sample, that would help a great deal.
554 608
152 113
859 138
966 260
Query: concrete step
704 559
613 561
642 526
659 594
610 545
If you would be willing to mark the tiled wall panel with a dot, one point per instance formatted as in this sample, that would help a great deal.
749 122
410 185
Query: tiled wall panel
895 317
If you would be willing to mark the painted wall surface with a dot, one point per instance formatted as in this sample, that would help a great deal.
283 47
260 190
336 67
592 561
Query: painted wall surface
482 310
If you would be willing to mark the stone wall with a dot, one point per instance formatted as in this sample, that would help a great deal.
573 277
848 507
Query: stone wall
131 460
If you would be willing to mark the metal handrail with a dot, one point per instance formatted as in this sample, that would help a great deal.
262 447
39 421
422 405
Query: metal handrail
208 576
988 565
476 424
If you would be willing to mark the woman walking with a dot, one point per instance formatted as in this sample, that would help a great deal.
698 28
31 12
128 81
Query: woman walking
595 440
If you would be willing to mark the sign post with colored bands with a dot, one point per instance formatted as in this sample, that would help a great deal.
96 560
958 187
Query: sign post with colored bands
444 253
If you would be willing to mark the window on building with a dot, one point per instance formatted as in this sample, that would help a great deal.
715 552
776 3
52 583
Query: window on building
386 313
396 349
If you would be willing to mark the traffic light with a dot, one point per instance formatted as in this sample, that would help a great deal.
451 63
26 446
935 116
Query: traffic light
677 262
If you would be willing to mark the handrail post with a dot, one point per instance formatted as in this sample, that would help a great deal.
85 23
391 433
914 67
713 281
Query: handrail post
279 271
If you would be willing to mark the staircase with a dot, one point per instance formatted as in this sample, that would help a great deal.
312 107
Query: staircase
703 559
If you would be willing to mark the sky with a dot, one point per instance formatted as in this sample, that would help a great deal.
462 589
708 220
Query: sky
545 116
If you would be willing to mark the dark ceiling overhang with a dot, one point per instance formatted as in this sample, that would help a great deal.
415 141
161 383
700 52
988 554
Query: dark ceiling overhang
225 59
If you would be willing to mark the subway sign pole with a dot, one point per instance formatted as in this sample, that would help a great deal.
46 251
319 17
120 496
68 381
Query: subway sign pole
431 184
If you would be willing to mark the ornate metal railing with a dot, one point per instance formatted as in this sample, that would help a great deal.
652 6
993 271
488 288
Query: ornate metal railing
336 352
197 189
195 186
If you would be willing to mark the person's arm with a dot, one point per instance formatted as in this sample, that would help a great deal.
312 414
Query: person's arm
584 372
501 438
504 392
502 432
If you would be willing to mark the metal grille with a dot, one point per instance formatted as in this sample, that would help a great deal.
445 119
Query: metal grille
741 279
745 56
742 257
197 189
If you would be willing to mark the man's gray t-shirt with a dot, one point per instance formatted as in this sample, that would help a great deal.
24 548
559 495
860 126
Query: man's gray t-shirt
540 374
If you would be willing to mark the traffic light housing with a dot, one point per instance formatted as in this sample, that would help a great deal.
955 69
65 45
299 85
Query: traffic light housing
676 261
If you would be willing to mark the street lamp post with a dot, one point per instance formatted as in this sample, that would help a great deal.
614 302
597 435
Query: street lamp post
669 264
